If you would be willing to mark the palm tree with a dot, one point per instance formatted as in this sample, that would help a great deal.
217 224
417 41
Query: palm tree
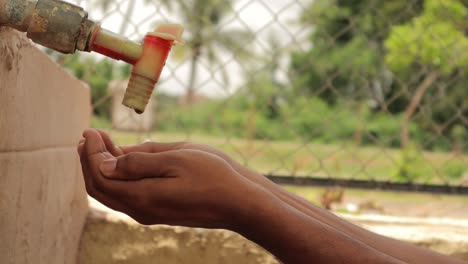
205 37
105 5
262 87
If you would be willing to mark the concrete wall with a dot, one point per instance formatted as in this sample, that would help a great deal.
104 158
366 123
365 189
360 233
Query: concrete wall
124 118
43 110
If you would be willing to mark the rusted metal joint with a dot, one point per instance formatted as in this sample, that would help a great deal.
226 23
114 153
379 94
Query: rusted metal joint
60 26
55 24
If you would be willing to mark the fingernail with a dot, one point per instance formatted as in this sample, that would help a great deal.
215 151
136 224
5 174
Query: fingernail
108 167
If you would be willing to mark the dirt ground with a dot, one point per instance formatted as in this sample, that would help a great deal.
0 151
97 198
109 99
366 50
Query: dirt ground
115 239
436 222
404 204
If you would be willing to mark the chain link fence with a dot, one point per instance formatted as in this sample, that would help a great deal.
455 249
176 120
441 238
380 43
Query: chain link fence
343 91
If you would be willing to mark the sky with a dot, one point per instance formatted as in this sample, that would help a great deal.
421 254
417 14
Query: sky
262 17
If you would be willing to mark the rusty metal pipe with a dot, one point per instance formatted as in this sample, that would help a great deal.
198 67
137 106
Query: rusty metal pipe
55 24
16 14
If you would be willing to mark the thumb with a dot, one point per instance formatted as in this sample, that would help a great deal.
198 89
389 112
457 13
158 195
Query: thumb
137 166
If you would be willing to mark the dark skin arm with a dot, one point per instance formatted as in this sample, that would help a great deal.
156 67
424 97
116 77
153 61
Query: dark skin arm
294 237
284 207
400 250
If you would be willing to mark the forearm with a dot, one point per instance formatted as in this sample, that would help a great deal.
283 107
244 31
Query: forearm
398 249
401 250
294 237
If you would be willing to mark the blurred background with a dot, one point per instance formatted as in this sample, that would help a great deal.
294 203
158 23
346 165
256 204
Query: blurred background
363 94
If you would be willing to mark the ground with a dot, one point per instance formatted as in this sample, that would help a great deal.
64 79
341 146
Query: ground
113 238
403 204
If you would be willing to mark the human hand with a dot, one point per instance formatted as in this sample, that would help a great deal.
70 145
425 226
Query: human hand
186 187
199 186
156 147
252 176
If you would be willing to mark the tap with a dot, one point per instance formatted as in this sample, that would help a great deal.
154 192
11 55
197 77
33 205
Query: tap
66 28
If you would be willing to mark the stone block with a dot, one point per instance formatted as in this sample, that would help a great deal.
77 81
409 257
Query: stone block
41 105
43 111
43 206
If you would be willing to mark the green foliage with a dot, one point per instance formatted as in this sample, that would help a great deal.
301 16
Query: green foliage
455 169
98 74
100 122
411 166
347 46
434 42
459 132
435 38
383 51
307 120
314 119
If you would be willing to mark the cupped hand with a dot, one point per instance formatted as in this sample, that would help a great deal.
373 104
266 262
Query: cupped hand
173 186
156 147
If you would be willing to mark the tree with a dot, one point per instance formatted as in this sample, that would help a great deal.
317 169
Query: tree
105 5
262 89
346 58
201 19
435 41
206 37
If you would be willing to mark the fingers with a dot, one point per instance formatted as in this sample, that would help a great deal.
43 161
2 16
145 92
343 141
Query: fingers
152 147
93 154
84 168
138 165
93 142
109 144
91 190
111 147
148 147
80 148
125 191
